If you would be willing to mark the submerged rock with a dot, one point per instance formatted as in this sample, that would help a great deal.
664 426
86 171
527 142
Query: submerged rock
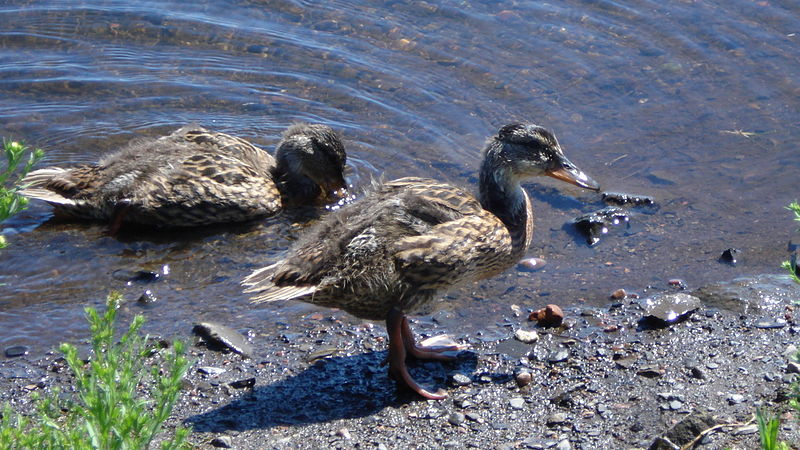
220 336
622 199
667 309
17 350
596 224
730 256
768 294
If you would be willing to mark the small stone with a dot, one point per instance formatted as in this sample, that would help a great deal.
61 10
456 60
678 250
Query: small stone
456 418
564 445
526 336
744 431
222 442
555 419
220 336
558 356
531 264
474 417
650 372
712 365
517 402
344 433
17 350
698 373
549 316
459 379
523 379
793 367
767 324
147 298
208 370
677 282
243 384
619 294
735 399
140 276
675 405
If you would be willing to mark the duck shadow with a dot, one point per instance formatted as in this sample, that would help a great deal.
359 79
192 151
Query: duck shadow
341 387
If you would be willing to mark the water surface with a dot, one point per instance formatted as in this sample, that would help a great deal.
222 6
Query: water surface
694 103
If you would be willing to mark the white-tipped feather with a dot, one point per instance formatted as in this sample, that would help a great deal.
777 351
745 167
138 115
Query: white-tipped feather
258 277
39 177
276 293
50 197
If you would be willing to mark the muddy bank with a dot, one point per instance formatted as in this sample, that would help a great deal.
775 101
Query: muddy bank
610 377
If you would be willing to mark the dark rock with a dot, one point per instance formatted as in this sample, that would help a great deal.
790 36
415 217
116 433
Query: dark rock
136 276
666 309
650 372
243 384
684 431
730 256
596 224
17 350
622 199
619 294
219 336
147 298
222 442
456 418
523 379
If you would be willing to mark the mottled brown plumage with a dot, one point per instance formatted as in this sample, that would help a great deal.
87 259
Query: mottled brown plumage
196 177
410 239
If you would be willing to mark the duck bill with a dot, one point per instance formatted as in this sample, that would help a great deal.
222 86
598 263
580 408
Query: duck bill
571 174
335 190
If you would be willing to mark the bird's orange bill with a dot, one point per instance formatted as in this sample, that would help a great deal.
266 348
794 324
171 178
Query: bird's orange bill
573 175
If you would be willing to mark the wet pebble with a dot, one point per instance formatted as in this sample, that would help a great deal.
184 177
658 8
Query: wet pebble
558 356
523 379
531 264
222 442
243 384
147 298
619 294
459 379
213 371
17 350
517 403
223 337
596 224
650 372
767 324
666 309
735 399
622 199
136 276
526 336
555 419
730 256
456 418
549 316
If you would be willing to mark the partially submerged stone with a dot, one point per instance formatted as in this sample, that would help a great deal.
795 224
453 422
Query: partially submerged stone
220 336
549 316
596 224
667 309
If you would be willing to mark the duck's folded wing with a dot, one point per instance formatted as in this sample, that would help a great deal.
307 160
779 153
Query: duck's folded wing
473 246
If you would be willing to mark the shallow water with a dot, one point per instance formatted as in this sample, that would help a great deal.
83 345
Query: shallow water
694 103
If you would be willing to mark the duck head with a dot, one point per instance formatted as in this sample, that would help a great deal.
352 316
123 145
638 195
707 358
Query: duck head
310 162
520 151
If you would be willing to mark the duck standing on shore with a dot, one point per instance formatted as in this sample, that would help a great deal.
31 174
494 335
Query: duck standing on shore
196 177
410 239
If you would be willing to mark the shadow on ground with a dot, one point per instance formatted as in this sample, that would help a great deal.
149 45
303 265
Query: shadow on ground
332 388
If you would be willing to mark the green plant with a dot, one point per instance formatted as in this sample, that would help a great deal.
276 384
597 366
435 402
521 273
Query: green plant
768 430
108 412
791 265
10 200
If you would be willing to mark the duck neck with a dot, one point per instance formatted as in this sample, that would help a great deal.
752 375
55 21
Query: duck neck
502 195
294 187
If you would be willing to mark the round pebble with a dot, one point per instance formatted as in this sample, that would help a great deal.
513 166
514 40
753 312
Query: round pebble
456 418
460 379
517 402
524 379
17 350
619 294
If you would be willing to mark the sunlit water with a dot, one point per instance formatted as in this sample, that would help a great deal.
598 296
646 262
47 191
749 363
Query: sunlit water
694 103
